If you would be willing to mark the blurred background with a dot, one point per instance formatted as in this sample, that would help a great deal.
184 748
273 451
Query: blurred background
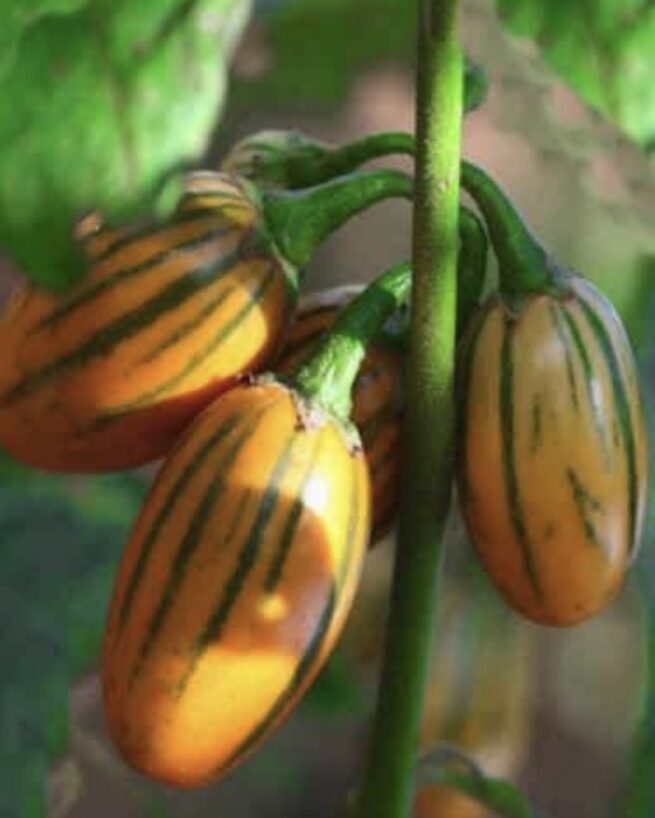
555 711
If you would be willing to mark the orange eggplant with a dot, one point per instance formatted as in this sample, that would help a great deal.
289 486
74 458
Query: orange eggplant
553 456
242 566
107 375
234 585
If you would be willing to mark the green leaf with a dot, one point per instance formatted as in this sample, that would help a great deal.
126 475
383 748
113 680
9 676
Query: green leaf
58 554
603 49
318 71
18 15
98 108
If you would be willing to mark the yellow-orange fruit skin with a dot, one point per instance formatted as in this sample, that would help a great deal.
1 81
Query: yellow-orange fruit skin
234 585
377 406
553 452
105 376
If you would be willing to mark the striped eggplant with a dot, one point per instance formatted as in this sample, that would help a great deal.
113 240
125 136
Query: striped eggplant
234 585
553 452
241 568
377 397
106 375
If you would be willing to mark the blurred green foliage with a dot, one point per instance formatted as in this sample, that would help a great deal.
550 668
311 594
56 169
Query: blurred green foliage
60 540
17 15
319 46
604 50
98 107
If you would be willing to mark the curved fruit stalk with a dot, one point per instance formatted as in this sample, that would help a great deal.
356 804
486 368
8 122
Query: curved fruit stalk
242 566
553 452
471 266
291 160
108 374
377 397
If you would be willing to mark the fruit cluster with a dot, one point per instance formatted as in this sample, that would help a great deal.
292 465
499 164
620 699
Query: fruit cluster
242 566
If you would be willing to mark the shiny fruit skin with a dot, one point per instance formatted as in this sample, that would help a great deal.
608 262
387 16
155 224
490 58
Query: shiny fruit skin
234 585
105 376
552 452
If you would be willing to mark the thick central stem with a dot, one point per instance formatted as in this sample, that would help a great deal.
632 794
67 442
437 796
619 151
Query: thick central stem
428 430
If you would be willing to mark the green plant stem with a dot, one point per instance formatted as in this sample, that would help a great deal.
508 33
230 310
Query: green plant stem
471 265
300 220
524 265
330 372
348 157
428 442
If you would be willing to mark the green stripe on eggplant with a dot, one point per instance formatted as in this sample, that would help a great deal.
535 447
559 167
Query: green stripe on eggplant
536 425
616 434
218 188
247 558
221 199
290 527
190 542
134 236
557 321
620 393
127 326
315 645
506 409
168 506
124 274
586 504
588 380
117 412
312 650
185 329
